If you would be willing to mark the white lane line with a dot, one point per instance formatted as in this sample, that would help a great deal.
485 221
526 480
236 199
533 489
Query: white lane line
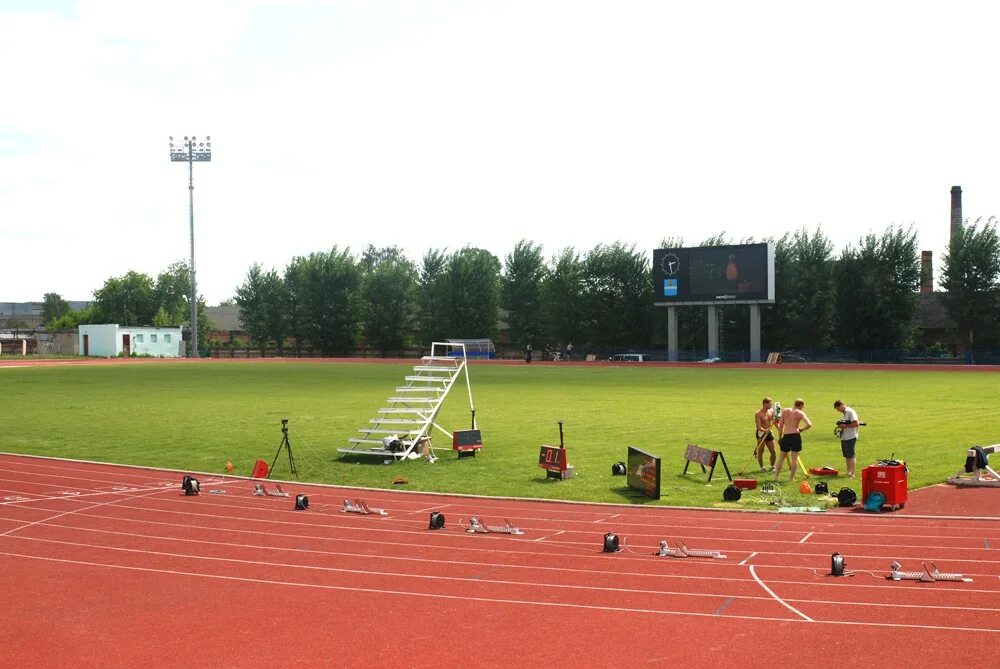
363 530
431 508
847 524
748 558
549 536
566 605
383 591
298 538
68 513
788 606
114 490
805 538
485 567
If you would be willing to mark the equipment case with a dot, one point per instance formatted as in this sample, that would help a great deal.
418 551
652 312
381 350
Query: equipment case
890 480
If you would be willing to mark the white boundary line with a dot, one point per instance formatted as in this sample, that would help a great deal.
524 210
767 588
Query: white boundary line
788 606
219 481
767 514
823 536
735 544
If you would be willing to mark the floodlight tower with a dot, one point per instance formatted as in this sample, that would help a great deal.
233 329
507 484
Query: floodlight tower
191 151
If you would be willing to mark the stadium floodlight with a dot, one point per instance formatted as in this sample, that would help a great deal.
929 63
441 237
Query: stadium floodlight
190 151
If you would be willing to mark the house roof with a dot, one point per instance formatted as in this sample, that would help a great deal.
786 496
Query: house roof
931 312
225 319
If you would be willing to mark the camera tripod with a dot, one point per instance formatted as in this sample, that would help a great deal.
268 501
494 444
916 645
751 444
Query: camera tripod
287 445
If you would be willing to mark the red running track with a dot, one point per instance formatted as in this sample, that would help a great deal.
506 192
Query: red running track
114 567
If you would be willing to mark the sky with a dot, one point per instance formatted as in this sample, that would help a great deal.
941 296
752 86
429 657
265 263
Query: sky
435 125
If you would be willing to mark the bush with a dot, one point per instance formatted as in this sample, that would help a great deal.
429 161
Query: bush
938 350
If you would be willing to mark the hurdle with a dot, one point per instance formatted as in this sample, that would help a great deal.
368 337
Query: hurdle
476 526
682 551
975 463
359 506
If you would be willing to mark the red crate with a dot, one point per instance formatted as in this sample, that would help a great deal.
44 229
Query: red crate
890 480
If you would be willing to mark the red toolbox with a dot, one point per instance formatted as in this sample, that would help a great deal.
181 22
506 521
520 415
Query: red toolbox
890 480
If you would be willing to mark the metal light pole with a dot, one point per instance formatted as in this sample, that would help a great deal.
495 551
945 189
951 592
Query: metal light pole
191 151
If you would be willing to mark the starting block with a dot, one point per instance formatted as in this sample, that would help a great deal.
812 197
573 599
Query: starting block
683 551
978 465
476 526
260 490
359 506
925 576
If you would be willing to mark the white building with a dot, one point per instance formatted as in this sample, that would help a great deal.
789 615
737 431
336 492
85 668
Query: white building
104 341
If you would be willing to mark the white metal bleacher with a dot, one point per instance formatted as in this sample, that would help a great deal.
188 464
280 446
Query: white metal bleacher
412 410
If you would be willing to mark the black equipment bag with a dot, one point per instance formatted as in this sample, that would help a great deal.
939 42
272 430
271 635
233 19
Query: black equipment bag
847 497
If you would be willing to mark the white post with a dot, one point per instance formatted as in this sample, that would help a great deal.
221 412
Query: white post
24 347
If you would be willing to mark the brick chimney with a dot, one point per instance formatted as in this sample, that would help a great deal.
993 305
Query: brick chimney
926 271
956 210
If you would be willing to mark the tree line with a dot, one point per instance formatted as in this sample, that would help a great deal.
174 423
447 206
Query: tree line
864 298
134 298
332 301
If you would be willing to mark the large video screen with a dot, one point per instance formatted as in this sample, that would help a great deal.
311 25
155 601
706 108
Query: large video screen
714 274
643 472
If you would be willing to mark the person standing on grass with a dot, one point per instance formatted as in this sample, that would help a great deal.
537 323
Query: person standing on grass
763 420
794 422
848 435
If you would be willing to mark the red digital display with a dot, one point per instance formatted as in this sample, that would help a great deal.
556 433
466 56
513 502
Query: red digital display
552 458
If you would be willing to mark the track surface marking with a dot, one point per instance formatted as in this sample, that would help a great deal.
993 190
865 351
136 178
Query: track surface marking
114 566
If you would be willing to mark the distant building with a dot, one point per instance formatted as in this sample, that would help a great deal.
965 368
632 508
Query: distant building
111 340
20 315
225 323
28 315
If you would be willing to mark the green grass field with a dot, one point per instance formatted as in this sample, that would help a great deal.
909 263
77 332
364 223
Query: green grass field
197 416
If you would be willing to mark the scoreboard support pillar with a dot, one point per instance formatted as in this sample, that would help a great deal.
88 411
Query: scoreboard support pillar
672 334
713 331
754 333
